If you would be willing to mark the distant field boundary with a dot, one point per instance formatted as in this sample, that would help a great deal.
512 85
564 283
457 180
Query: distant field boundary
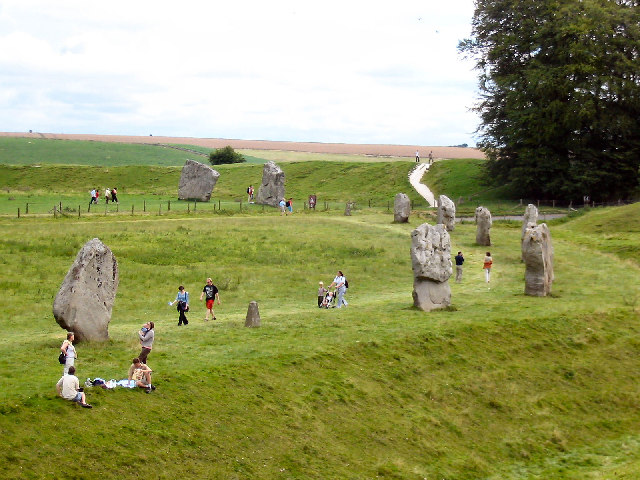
310 147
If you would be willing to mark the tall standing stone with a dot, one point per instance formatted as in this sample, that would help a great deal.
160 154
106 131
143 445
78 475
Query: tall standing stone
537 253
271 190
85 299
253 315
447 212
431 263
197 181
483 226
401 208
530 217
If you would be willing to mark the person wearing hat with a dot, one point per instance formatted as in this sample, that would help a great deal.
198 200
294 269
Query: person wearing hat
321 293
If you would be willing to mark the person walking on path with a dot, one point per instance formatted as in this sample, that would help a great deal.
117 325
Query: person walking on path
69 352
210 292
417 156
340 283
146 335
459 261
488 262
182 298
430 157
68 387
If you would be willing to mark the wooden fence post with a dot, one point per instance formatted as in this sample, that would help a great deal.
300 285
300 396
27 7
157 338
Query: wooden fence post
27 210
18 212
144 205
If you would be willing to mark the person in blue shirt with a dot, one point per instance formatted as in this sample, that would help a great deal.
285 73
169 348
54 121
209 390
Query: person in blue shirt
459 261
182 298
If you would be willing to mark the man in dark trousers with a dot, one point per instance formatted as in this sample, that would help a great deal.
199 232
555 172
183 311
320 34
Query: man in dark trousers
459 261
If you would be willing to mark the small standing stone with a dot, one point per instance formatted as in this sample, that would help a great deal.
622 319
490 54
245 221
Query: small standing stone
253 315
447 212
401 208
483 226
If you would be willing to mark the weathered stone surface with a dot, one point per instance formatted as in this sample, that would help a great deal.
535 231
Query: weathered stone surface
85 299
197 181
483 226
271 190
530 217
253 315
431 263
447 212
401 208
537 253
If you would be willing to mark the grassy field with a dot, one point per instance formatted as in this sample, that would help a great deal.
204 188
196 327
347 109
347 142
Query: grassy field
498 386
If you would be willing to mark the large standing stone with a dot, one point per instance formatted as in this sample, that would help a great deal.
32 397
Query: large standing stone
197 181
431 262
447 212
271 191
401 208
253 315
530 217
85 299
537 253
483 226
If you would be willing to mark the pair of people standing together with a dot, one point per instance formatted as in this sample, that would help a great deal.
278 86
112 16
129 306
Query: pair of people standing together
182 299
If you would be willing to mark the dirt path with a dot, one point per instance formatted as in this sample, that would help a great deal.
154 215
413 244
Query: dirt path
415 176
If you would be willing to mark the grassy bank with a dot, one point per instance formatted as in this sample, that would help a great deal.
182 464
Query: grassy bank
498 386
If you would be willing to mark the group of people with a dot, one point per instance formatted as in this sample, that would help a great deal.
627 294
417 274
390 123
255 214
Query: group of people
286 206
326 296
110 195
210 293
68 387
430 157
486 266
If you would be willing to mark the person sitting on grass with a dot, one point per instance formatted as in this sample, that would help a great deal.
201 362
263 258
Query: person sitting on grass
141 374
68 387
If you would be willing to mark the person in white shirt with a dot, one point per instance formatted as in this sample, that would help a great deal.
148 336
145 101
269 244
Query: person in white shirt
68 387
340 283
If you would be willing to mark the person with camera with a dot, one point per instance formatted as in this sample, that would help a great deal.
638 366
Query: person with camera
182 298
68 387
146 335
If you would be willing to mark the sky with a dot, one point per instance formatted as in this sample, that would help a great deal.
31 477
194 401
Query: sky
346 71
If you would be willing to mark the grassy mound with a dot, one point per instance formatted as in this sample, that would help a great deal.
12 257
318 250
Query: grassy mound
498 386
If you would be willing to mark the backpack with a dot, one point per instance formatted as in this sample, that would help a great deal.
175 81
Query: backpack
346 283
62 358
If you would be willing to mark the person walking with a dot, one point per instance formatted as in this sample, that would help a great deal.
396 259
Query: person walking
69 351
488 262
282 204
146 335
459 261
114 195
417 156
211 292
289 205
250 194
340 282
68 387
93 197
321 293
182 298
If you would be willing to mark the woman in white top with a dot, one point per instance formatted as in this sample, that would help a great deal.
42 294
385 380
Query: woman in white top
69 351
339 282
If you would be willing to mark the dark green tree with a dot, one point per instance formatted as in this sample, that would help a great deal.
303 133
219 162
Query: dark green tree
225 155
559 95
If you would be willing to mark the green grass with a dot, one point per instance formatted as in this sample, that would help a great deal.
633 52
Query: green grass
498 386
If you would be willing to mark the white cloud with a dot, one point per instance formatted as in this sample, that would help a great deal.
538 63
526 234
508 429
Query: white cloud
349 71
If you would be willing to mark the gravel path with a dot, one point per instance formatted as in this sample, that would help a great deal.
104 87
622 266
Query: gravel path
415 176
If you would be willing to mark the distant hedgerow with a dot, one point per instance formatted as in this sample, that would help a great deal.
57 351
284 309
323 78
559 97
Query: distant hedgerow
225 155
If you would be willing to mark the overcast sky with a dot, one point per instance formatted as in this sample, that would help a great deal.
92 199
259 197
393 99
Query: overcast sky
332 71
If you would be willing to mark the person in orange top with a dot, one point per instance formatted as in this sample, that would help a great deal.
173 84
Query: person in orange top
488 261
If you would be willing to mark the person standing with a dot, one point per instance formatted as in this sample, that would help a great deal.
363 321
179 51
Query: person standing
290 205
340 283
488 262
69 352
321 293
107 194
146 335
282 204
68 387
114 195
417 156
211 292
430 157
93 197
182 298
250 194
459 261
